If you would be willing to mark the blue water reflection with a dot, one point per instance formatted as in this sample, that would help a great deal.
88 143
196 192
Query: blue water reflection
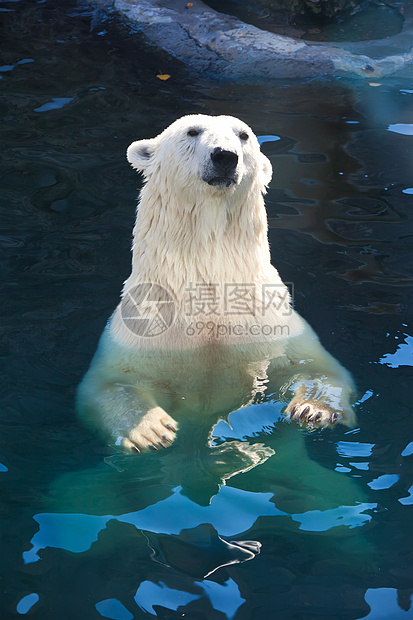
150 594
407 501
77 532
26 603
114 609
225 598
384 482
54 104
262 139
354 448
402 128
408 451
383 604
321 521
403 355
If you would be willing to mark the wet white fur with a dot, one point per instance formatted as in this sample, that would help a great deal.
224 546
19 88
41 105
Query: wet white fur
188 232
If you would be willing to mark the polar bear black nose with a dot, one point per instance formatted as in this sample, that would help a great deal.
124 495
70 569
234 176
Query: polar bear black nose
227 160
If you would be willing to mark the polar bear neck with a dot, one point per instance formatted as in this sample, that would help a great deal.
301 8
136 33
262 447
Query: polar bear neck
221 237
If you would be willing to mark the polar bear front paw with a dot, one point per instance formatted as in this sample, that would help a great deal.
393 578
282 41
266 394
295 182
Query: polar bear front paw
155 430
312 413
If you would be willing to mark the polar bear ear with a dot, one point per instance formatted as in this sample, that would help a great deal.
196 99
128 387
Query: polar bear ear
140 153
266 170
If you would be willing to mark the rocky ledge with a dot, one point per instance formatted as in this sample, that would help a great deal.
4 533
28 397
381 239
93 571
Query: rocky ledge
223 47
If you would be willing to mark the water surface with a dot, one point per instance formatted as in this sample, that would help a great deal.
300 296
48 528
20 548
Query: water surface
320 527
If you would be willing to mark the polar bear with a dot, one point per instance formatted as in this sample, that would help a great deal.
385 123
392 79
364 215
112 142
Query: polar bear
205 325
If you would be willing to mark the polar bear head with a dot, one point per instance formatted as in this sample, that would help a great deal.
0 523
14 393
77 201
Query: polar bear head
213 153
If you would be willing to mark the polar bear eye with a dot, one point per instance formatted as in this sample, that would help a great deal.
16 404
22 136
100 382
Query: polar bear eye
244 136
193 133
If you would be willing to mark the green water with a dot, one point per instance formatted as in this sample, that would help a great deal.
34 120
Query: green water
321 526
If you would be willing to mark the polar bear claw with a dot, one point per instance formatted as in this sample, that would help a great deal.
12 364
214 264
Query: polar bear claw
156 430
312 414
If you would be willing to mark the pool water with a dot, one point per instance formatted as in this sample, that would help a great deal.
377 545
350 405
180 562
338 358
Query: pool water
373 20
267 521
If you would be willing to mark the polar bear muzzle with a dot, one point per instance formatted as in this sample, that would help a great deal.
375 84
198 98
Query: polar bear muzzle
222 169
